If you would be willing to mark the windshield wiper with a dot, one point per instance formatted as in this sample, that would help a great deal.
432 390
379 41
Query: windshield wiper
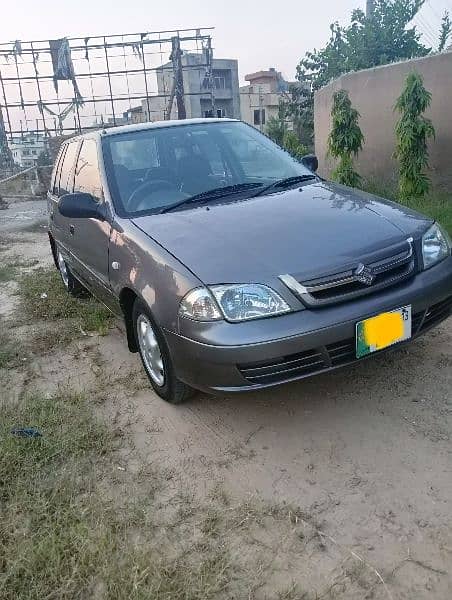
213 194
283 183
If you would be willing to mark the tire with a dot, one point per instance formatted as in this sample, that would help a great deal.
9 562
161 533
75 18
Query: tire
72 285
156 358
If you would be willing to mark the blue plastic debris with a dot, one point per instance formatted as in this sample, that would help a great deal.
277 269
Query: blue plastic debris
27 432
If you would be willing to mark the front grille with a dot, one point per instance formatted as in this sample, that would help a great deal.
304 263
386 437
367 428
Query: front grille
319 359
396 267
436 313
301 364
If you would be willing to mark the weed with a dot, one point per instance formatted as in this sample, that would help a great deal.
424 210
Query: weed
10 270
44 298
11 351
61 538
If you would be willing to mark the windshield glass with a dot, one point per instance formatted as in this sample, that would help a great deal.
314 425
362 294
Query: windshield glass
152 169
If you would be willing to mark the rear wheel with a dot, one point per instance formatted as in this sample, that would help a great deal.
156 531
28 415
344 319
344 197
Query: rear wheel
156 358
73 285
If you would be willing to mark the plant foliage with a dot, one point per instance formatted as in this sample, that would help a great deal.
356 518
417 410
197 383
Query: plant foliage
446 30
346 138
387 35
413 131
383 37
277 129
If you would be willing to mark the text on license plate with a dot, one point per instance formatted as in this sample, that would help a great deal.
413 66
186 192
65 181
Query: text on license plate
382 331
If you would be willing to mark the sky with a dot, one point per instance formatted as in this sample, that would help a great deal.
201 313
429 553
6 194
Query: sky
258 34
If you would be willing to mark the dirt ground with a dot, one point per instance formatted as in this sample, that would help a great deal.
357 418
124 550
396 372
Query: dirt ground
366 451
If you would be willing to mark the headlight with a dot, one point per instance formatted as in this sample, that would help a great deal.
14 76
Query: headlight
435 246
200 306
248 301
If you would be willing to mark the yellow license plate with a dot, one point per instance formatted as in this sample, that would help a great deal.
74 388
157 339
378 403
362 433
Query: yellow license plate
382 331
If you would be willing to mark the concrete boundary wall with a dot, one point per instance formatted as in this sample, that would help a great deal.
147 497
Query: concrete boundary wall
374 92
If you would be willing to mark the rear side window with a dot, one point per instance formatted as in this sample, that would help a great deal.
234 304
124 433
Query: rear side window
57 171
87 174
67 170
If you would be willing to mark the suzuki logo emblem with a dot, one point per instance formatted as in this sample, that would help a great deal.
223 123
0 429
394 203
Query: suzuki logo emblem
364 274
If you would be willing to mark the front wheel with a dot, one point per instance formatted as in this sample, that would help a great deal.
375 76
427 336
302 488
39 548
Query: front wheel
156 358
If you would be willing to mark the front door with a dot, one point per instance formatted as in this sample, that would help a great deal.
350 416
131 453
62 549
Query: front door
89 238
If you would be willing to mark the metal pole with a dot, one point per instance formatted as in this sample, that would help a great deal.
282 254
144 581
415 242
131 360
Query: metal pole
78 117
6 107
41 110
261 109
209 61
370 5
109 82
178 77
145 81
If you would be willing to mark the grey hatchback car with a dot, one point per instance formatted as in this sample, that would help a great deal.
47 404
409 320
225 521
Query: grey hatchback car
234 266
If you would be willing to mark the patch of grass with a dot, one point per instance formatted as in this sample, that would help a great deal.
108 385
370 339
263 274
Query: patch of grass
11 351
8 272
11 269
44 298
437 205
60 537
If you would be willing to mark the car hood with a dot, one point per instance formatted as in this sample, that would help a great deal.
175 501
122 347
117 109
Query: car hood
318 229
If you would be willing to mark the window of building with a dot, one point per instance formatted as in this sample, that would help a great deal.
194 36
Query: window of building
259 116
87 175
221 79
26 152
67 169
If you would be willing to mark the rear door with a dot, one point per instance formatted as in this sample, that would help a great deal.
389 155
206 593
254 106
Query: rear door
62 184
89 238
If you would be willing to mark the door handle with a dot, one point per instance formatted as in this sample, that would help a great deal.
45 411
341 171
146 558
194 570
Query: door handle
71 229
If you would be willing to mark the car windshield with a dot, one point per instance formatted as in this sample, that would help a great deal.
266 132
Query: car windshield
152 169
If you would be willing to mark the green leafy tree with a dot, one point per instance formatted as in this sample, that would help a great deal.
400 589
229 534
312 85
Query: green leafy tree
292 144
345 140
278 130
446 30
387 35
413 130
383 37
276 127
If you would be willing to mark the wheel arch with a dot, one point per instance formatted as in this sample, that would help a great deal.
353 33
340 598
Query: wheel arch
53 249
127 299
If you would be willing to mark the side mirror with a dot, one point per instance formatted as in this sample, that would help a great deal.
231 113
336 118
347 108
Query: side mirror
311 162
80 205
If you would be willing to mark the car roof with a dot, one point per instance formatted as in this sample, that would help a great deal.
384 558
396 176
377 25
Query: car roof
109 131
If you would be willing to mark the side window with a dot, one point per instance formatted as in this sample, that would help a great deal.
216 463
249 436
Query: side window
67 171
87 174
57 171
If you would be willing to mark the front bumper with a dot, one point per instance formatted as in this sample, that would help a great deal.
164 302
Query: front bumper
227 357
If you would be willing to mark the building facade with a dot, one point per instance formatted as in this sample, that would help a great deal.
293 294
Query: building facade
259 100
220 98
26 149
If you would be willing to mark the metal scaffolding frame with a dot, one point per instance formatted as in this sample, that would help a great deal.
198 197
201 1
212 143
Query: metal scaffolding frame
110 72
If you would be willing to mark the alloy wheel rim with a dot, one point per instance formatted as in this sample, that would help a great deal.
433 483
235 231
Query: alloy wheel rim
63 270
150 350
